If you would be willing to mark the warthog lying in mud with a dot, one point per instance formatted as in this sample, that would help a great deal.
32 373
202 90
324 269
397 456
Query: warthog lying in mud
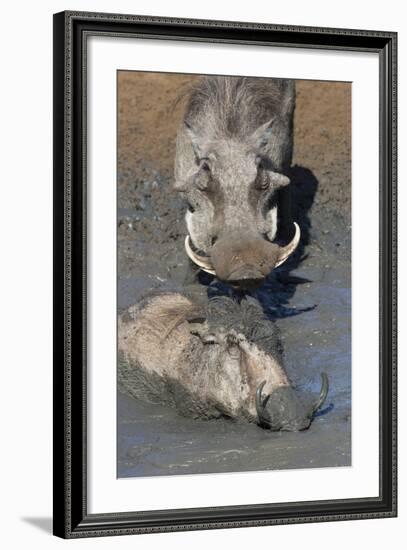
234 148
220 361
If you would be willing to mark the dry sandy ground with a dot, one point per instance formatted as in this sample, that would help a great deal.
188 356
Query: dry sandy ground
314 318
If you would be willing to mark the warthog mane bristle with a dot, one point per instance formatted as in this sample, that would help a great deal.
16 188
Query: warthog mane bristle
236 106
247 318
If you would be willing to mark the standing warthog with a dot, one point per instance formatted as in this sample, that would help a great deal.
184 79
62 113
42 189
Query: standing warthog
234 148
222 361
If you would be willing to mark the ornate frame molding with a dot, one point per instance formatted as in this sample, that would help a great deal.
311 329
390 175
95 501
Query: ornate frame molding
71 30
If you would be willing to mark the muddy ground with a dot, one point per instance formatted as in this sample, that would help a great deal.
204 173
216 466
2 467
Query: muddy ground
310 297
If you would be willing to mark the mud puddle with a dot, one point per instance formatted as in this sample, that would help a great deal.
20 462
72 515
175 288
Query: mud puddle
314 318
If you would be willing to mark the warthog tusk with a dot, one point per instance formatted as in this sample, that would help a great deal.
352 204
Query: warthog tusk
286 251
200 261
323 393
260 406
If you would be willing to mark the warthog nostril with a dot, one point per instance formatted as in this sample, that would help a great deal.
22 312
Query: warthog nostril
213 240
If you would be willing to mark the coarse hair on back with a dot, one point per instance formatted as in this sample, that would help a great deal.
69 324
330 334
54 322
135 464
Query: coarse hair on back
234 106
247 318
161 312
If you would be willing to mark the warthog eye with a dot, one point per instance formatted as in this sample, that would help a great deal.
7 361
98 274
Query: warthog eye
203 177
190 207
264 163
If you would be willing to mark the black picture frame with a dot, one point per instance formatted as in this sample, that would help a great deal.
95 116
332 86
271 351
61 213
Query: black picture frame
71 518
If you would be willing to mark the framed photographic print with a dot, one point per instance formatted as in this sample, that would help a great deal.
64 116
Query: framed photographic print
224 274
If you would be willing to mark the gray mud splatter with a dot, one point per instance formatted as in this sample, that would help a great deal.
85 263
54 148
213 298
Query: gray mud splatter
315 322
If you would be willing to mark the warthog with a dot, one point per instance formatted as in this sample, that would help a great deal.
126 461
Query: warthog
221 361
234 148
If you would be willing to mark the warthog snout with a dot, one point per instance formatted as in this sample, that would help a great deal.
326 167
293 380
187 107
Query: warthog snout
284 409
238 259
243 261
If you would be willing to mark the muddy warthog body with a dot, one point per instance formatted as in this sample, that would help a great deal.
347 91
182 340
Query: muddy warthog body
221 361
234 148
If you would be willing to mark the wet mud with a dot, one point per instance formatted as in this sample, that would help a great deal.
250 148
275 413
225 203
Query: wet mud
309 297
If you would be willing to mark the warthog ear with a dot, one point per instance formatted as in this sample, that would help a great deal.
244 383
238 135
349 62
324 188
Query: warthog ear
262 135
278 180
194 140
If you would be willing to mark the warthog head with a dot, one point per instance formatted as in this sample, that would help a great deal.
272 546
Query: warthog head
232 151
244 336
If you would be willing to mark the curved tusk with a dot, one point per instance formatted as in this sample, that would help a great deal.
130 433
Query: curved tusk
260 405
323 393
286 251
201 262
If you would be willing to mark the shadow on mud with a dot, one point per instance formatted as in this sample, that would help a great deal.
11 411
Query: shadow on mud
280 286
